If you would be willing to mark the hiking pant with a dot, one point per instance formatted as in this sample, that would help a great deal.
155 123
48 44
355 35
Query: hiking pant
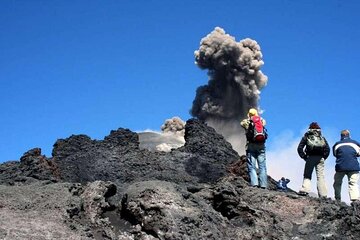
317 162
257 156
353 177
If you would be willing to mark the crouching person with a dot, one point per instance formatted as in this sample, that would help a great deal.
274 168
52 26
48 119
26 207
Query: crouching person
282 184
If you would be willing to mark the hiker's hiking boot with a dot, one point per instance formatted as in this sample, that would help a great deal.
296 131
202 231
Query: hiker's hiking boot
324 199
301 193
355 203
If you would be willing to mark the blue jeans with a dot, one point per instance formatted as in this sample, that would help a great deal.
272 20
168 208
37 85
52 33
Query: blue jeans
257 156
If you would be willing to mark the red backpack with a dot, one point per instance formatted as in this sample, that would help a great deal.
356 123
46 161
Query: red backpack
256 132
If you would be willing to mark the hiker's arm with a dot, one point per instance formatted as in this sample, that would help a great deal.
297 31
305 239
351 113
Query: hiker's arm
263 121
358 150
245 123
300 148
333 149
326 150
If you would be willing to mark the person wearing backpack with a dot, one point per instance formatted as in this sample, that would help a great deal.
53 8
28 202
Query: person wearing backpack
256 136
314 149
346 152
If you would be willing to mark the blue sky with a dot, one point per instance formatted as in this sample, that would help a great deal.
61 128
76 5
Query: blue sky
88 67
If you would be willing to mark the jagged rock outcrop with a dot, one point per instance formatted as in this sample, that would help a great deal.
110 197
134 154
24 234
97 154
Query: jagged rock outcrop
31 167
112 189
118 158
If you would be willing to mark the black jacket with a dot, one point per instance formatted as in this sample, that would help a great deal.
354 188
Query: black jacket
304 152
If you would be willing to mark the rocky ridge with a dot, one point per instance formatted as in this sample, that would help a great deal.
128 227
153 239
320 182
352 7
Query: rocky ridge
112 189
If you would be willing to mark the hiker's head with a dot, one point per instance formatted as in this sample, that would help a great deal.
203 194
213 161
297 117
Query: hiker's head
314 125
345 133
252 112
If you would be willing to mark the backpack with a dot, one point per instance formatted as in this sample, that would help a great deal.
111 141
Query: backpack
256 132
315 142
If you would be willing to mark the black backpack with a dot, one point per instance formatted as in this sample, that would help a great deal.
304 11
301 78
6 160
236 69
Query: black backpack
315 142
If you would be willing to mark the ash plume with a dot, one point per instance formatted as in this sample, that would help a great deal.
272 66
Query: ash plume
234 85
173 125
173 129
171 136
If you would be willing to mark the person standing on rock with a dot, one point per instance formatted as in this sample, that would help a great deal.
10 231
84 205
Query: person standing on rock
346 152
314 149
256 136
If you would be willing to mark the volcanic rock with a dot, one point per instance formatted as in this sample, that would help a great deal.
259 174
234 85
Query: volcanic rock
113 189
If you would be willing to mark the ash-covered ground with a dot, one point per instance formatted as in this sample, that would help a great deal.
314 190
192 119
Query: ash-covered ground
113 189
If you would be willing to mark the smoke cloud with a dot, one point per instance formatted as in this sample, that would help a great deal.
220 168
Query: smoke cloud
173 130
174 125
234 85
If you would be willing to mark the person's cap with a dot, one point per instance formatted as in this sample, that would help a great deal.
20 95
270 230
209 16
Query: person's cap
253 112
314 125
